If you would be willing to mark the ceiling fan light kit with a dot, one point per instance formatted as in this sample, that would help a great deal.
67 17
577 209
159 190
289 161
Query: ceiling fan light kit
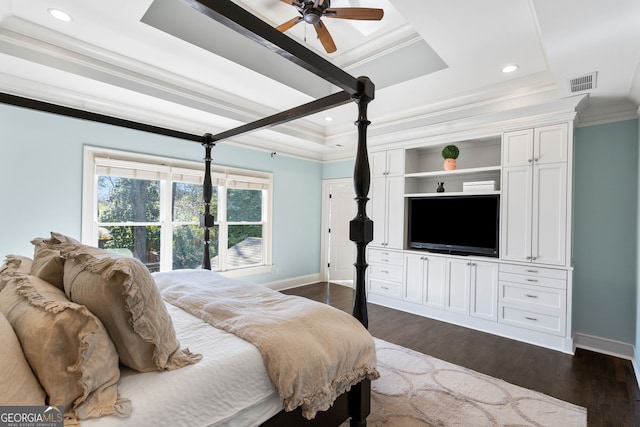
312 12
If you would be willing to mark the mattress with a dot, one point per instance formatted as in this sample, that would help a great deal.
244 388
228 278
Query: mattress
228 387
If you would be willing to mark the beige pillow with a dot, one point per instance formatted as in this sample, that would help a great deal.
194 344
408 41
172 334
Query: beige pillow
18 385
66 346
13 264
47 262
122 294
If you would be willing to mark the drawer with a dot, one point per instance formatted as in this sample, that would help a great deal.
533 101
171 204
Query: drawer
530 270
393 273
533 296
542 322
386 257
533 280
385 288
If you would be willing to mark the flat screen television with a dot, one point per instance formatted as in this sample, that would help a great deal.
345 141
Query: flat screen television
461 225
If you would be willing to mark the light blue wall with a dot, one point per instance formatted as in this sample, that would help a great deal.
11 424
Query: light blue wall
605 230
336 170
41 183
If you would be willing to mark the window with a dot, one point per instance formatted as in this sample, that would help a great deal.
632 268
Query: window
149 208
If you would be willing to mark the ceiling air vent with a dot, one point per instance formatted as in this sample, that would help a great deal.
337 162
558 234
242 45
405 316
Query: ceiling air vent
586 82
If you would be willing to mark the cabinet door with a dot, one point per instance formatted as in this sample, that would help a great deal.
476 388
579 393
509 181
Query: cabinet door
484 290
457 290
550 144
413 277
379 164
549 225
515 218
395 162
517 148
378 210
435 275
395 212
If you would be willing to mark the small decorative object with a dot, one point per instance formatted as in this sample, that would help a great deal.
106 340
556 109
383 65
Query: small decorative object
450 154
440 188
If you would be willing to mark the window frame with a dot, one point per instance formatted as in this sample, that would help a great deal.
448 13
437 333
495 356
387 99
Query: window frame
168 169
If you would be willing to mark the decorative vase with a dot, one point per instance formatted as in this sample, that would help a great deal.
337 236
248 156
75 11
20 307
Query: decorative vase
440 188
449 164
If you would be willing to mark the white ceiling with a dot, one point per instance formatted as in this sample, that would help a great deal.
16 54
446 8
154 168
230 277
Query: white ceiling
162 63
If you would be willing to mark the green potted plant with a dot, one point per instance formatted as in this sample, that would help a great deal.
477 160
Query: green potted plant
450 154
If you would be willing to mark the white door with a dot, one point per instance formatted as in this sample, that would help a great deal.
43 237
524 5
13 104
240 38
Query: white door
342 251
458 281
484 290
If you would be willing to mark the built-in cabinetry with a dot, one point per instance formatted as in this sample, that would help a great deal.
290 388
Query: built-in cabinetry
534 195
533 298
525 293
387 198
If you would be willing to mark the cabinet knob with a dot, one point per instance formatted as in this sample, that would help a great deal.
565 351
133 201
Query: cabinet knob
534 258
536 159
528 257
530 160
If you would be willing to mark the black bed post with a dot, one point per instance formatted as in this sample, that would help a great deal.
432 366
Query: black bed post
361 233
361 227
207 219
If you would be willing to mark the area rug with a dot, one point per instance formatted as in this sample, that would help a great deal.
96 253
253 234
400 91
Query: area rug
415 389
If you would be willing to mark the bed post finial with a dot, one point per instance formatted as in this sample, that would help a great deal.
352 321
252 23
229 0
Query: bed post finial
206 219
361 227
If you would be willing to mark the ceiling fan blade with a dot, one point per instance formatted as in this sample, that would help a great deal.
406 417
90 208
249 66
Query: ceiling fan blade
292 3
362 13
290 23
325 37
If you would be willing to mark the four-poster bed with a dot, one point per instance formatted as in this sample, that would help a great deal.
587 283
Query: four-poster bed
353 405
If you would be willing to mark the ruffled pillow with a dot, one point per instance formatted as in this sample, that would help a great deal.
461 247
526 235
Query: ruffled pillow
122 294
47 262
19 386
14 264
67 347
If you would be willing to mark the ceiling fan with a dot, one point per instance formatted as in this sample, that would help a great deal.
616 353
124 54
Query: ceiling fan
311 12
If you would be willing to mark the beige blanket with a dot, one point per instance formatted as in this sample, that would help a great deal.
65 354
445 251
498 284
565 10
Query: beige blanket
312 352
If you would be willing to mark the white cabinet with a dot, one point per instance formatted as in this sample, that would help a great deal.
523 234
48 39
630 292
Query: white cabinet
425 277
472 288
385 272
484 290
386 207
533 298
387 163
534 196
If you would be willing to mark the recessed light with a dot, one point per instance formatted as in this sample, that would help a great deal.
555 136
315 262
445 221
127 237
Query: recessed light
60 15
509 68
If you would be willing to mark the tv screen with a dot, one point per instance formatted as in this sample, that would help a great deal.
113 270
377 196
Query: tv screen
466 225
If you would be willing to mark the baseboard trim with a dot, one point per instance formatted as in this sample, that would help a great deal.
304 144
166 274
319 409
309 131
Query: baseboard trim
293 282
636 367
605 346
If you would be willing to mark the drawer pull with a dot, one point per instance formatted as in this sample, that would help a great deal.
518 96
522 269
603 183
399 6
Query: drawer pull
532 280
384 287
531 271
385 271
384 260
531 296
385 253
531 318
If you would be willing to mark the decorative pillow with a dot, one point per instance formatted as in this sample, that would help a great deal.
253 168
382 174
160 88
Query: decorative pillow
19 386
14 264
66 346
122 294
47 262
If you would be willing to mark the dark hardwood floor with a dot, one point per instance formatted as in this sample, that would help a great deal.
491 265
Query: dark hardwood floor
605 385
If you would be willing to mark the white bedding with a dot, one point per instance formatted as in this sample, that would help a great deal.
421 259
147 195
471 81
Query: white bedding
229 387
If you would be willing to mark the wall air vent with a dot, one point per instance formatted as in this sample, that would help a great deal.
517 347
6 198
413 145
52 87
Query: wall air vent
586 82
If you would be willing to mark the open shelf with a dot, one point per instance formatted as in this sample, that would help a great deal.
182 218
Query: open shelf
479 160
450 193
